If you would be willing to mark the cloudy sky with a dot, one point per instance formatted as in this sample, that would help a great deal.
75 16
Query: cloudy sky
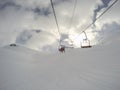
31 23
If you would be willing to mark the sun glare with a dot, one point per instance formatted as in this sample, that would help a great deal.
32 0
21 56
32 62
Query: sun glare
77 39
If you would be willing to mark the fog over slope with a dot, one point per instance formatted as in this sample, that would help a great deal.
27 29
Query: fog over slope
97 68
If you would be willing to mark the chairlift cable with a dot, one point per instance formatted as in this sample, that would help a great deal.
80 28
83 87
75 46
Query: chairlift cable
96 19
55 17
71 20
73 13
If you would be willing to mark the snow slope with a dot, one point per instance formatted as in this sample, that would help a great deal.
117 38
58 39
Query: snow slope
97 68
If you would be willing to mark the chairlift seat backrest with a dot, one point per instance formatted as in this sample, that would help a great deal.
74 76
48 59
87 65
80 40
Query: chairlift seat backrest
86 44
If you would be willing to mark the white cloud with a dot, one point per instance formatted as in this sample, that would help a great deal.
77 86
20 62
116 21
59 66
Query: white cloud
35 39
108 33
37 15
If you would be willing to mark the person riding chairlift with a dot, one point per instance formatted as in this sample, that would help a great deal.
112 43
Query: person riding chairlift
62 48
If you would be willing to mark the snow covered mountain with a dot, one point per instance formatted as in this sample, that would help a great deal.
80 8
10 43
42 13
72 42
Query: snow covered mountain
97 68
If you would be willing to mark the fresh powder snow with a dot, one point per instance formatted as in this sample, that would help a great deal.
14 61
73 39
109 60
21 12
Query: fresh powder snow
96 68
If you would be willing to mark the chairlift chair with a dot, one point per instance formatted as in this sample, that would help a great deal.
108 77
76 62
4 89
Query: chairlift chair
61 48
66 42
85 43
13 44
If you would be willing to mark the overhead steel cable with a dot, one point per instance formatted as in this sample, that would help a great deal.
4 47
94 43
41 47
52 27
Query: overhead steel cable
55 17
71 20
96 19
73 13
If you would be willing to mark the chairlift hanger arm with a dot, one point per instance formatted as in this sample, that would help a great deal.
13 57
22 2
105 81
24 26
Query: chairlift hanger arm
85 35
